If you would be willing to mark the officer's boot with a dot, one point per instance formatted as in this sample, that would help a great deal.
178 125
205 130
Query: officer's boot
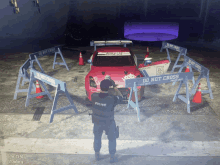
113 159
97 154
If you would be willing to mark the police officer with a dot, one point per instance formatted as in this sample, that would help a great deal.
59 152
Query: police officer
103 117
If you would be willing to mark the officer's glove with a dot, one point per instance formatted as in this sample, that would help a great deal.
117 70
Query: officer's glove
113 83
120 99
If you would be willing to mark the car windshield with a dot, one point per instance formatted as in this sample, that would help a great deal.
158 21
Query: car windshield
113 59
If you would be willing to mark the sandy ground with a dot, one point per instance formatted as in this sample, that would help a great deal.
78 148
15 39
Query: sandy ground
12 62
157 98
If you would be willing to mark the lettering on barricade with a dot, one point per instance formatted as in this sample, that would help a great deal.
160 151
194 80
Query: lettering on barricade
41 76
160 78
173 46
195 65
44 52
171 77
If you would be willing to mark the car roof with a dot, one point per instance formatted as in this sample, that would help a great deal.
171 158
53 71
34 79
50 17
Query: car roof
113 49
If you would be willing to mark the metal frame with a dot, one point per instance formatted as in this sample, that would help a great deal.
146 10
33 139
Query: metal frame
204 73
109 42
167 78
26 78
59 63
182 52
34 57
30 64
60 88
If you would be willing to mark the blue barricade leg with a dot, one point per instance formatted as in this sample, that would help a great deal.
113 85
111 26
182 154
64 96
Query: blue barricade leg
187 96
63 59
168 55
184 99
209 86
136 100
46 92
61 55
39 65
177 60
17 90
174 66
190 68
54 105
181 68
129 99
71 101
29 90
51 117
131 103
24 80
193 90
54 61
177 92
54 110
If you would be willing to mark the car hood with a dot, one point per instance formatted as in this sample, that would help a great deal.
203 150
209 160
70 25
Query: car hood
118 74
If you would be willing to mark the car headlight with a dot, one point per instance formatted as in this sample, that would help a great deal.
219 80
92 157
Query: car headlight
92 82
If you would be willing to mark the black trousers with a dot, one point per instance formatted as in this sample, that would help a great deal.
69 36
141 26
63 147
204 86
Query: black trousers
110 130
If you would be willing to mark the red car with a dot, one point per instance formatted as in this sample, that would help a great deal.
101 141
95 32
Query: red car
119 63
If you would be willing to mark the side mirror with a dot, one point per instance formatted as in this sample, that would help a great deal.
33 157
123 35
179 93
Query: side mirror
89 61
147 62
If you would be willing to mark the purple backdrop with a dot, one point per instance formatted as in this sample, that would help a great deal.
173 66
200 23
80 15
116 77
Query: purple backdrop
151 31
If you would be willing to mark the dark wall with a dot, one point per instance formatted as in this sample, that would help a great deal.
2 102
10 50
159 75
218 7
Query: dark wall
212 25
30 30
105 19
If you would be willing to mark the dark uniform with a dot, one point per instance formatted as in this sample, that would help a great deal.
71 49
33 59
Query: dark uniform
103 119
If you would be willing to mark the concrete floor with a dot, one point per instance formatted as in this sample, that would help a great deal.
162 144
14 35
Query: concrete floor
167 134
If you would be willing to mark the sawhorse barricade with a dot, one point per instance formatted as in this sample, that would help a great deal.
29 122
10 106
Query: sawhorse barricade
61 87
182 52
133 83
29 64
204 73
26 78
34 57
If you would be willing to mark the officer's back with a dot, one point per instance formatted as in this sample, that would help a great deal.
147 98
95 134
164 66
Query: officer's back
103 119
104 105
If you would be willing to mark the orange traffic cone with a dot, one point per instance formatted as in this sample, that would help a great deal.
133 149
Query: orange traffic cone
147 53
187 69
81 62
198 96
38 90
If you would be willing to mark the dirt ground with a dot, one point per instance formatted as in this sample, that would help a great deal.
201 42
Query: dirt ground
173 118
10 64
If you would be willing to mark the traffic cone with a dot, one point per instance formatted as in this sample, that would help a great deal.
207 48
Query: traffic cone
38 90
147 53
198 96
81 62
187 69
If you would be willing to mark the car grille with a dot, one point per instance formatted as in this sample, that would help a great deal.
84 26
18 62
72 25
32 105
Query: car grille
124 92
